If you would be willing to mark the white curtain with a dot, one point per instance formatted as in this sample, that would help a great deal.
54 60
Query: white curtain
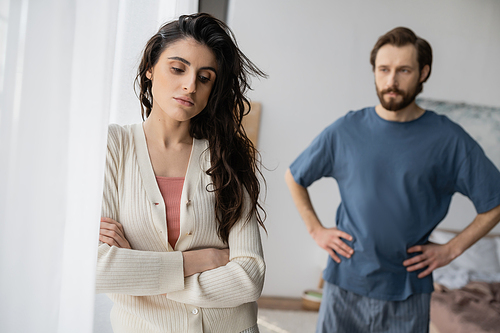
137 22
58 83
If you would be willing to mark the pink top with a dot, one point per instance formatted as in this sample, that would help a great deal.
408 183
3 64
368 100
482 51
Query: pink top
171 190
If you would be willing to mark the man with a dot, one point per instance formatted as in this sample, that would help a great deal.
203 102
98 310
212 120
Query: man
397 167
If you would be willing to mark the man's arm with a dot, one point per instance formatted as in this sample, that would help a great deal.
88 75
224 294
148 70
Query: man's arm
328 239
434 255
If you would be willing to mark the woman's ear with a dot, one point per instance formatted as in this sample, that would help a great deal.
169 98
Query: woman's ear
149 73
424 73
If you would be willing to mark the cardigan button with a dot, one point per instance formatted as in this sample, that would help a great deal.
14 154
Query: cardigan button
189 233
195 311
188 202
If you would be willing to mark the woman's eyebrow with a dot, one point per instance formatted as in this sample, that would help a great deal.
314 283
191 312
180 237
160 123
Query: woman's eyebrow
189 64
181 60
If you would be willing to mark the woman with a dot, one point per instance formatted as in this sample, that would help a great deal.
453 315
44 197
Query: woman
180 245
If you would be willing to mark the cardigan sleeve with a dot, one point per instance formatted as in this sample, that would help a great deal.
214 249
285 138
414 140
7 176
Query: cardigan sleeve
238 282
126 271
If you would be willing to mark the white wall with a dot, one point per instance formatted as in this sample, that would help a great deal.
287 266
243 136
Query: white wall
317 56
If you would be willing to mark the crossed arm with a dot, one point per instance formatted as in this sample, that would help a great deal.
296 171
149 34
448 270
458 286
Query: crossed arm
111 232
431 255
225 282
209 277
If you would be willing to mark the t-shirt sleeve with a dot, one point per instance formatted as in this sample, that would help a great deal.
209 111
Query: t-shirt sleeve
479 179
316 161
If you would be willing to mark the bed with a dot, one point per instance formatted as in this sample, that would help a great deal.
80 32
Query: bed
467 291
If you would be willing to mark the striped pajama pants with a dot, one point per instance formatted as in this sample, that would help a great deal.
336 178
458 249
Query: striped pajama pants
342 311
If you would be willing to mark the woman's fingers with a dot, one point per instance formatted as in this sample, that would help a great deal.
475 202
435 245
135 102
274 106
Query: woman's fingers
117 239
108 223
198 261
111 232
108 240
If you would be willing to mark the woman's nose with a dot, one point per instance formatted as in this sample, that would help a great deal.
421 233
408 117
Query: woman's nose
190 84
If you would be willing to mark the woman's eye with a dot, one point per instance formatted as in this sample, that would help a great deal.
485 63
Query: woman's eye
177 70
203 79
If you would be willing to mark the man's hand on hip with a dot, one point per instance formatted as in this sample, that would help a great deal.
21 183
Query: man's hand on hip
330 240
433 256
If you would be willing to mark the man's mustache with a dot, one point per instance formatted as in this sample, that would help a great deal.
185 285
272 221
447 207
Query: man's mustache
393 89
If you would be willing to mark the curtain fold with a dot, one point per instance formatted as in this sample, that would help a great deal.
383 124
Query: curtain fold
54 105
64 64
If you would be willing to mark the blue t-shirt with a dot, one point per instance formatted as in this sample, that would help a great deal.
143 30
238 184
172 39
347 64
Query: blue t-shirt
396 181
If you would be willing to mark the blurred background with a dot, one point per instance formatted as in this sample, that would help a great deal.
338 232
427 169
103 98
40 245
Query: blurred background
67 69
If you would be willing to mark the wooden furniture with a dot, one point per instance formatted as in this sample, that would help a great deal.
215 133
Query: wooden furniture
251 123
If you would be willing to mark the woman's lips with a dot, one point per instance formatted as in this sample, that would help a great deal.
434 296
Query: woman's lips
186 101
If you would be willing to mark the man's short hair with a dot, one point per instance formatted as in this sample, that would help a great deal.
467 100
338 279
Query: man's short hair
402 36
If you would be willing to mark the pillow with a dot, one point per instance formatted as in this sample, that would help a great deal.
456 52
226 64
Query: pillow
484 256
441 236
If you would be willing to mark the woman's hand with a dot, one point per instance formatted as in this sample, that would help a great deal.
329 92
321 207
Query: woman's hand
198 261
112 233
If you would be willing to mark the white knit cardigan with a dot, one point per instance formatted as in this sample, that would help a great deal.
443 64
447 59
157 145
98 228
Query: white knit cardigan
147 283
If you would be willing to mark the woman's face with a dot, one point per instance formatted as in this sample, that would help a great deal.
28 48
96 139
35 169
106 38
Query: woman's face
182 80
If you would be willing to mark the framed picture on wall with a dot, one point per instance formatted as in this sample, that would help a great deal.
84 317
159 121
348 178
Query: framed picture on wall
481 122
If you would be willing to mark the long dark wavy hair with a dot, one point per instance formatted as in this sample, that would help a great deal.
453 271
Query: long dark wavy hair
235 164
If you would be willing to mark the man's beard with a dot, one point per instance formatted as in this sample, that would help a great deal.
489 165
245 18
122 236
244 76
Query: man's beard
392 105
